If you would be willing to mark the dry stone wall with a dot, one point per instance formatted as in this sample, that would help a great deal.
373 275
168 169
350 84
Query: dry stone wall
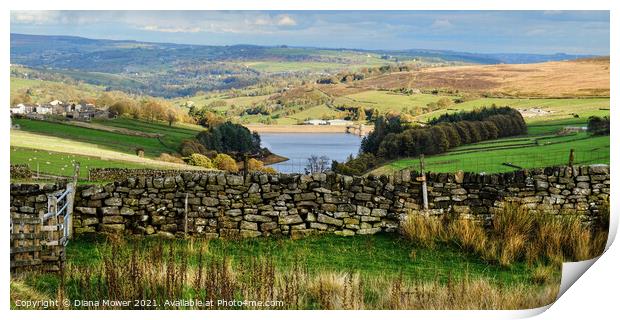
226 205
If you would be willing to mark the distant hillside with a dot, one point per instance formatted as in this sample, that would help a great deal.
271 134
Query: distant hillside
175 70
575 78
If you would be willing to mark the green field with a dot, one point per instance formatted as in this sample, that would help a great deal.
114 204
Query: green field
525 152
172 135
377 258
416 104
153 147
559 108
51 147
386 101
381 255
61 164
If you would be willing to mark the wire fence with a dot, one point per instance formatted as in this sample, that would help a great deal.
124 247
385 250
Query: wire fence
42 168
508 162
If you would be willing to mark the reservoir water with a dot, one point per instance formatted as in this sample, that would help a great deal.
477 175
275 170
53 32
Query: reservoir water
298 147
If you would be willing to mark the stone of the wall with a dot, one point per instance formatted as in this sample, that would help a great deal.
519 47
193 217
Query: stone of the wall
32 198
20 171
113 174
227 205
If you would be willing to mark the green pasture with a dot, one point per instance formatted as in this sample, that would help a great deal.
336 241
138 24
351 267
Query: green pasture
490 157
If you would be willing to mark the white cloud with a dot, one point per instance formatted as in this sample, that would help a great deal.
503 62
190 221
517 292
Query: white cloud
286 20
157 28
34 17
441 24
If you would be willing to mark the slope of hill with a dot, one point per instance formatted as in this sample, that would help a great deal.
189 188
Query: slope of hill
576 78
174 70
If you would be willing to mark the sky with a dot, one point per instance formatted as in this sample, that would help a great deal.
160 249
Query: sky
544 32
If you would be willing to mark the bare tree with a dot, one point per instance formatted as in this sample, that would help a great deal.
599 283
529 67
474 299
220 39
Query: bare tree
317 164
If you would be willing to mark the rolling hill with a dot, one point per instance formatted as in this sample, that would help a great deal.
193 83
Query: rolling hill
174 70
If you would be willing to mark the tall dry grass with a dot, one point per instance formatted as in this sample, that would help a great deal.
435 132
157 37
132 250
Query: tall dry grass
163 272
515 234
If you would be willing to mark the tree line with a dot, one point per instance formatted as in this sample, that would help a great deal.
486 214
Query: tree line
446 132
393 138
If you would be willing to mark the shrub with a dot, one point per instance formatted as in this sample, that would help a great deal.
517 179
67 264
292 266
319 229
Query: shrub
257 165
189 147
444 102
200 160
170 158
225 162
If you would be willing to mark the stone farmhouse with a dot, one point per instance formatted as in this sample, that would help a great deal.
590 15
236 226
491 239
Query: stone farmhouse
74 111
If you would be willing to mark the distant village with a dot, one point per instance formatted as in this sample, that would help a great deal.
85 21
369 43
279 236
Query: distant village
73 111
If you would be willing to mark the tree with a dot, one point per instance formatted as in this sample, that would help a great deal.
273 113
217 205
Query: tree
317 164
171 117
121 107
152 110
105 100
230 137
598 125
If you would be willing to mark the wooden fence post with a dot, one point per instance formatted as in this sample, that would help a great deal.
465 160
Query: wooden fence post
423 179
571 157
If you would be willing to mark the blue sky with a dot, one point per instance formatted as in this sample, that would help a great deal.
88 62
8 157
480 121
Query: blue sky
573 32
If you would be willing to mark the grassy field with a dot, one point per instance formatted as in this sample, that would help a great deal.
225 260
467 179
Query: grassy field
204 100
525 152
557 108
54 154
172 135
153 147
61 164
384 254
386 101
308 270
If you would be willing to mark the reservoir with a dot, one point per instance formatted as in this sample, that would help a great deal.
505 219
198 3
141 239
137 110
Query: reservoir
298 147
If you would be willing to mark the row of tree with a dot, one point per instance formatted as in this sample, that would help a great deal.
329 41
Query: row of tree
149 110
450 131
230 138
392 137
